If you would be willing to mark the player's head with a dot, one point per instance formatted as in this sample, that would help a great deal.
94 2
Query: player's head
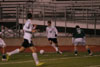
77 26
49 23
29 16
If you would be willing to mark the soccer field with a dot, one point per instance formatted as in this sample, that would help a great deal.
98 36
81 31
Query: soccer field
67 59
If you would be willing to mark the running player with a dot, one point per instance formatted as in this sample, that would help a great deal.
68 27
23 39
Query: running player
28 29
79 38
2 45
52 37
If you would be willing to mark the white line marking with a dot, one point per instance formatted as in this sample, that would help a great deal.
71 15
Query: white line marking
16 62
45 60
94 66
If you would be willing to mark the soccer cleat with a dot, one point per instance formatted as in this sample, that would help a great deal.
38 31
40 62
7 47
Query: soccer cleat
76 54
59 52
4 59
91 54
7 56
40 64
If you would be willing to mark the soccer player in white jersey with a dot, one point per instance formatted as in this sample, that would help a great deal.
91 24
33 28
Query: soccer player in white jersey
52 32
79 38
28 29
3 46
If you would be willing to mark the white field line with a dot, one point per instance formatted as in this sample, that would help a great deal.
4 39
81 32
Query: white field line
94 66
19 62
16 62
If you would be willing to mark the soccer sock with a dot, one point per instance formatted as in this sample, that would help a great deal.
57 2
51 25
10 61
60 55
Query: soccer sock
13 52
4 56
88 50
35 58
55 47
75 51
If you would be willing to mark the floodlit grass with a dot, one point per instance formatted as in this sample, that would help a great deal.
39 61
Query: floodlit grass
67 59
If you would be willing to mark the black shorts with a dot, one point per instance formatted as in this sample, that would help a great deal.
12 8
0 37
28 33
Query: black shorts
26 44
53 40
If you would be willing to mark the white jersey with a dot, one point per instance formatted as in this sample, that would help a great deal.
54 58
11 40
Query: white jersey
51 32
28 27
2 43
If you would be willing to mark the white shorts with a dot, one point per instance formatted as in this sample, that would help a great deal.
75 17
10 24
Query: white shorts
80 41
2 43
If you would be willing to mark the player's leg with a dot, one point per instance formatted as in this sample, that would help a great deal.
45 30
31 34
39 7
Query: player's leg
16 51
35 57
50 41
75 50
3 54
86 46
3 49
75 47
89 51
24 45
55 44
34 54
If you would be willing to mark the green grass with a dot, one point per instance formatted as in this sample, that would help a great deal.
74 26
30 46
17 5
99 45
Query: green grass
54 60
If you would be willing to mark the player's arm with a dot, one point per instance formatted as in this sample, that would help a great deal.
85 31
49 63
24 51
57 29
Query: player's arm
27 28
83 33
73 38
34 28
56 31
46 31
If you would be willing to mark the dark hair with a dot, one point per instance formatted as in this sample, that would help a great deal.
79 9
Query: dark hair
77 26
49 21
29 16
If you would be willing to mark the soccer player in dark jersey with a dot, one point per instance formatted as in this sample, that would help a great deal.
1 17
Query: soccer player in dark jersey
79 38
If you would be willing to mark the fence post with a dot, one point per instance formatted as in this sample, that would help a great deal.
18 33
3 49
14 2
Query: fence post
55 14
95 24
65 23
44 13
17 21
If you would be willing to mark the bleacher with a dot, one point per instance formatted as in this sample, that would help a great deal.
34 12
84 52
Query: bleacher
74 10
80 11
9 14
71 9
10 9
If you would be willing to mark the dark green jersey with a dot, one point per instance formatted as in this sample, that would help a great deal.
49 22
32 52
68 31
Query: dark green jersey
0 29
78 33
